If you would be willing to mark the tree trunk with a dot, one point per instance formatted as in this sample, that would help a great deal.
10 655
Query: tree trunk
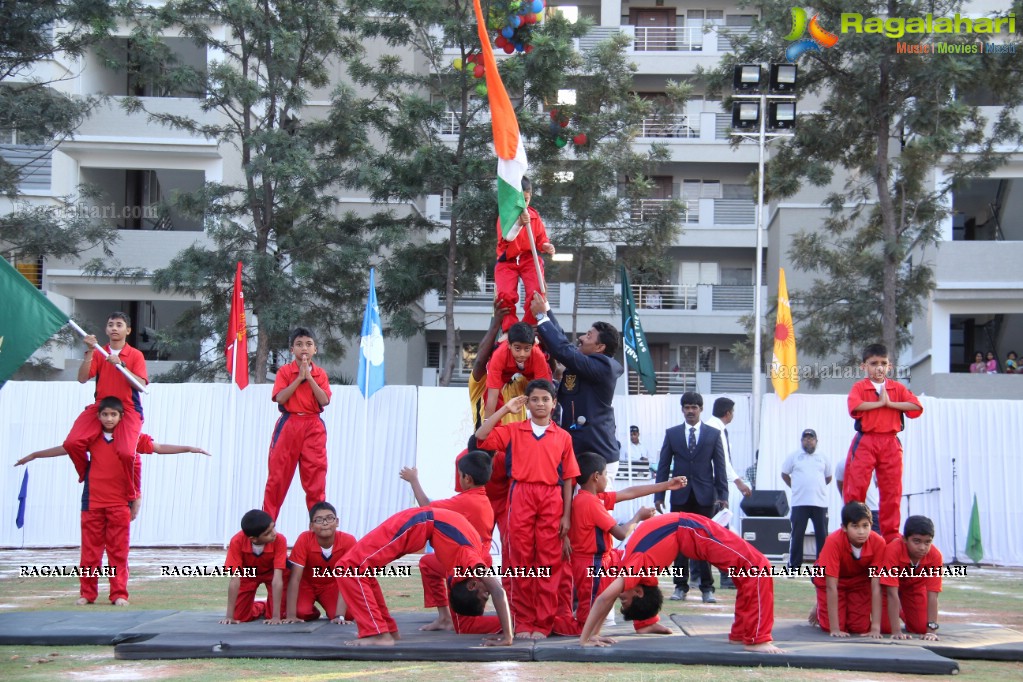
578 282
451 334
262 356
890 235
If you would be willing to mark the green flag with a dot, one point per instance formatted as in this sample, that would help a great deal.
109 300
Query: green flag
637 353
974 545
27 319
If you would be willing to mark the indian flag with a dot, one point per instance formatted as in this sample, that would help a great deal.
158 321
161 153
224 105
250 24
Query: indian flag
511 155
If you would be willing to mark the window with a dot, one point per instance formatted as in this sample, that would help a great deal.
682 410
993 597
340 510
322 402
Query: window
30 268
696 359
566 97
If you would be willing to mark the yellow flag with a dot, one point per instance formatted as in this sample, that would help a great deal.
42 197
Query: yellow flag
784 366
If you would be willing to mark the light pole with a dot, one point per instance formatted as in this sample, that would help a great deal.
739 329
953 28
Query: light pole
751 109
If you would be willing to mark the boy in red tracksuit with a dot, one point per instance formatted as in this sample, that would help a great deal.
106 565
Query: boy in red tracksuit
301 391
911 578
879 406
106 516
460 552
849 596
518 355
315 553
515 260
593 527
542 468
654 546
472 503
111 382
256 546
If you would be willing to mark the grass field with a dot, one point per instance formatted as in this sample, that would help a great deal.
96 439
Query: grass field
985 595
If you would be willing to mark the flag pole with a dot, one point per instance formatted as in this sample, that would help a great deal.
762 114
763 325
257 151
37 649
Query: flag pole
536 258
233 421
363 516
102 351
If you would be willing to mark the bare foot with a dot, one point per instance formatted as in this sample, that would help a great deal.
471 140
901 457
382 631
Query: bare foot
654 629
82 601
812 618
537 635
121 601
396 635
764 648
438 624
735 641
524 635
383 639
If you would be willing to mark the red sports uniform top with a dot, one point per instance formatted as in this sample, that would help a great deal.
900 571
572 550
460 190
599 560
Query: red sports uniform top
883 419
657 542
308 554
475 507
896 559
302 400
144 447
520 245
838 561
240 555
455 542
110 381
592 522
548 459
502 367
105 482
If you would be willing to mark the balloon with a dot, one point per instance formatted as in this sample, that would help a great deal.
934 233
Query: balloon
579 139
514 21
529 48
519 47
560 142
514 5
478 71
554 114
501 41
537 6
481 89
509 48
564 124
507 31
457 63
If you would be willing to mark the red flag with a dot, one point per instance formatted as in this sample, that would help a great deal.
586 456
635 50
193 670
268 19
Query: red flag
238 335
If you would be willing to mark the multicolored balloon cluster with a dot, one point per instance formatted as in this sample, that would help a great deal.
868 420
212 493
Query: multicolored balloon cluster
514 20
474 65
560 120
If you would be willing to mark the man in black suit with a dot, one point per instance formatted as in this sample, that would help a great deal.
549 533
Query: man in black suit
587 387
696 451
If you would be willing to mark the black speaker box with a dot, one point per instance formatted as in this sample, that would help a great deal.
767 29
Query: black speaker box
766 503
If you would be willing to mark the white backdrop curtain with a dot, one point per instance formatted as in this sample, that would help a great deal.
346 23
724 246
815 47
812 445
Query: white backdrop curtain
195 500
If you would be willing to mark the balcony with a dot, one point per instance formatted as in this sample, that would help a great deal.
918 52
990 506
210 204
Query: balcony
671 383
978 269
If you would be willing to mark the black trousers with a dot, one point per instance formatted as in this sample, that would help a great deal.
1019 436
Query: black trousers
700 569
800 515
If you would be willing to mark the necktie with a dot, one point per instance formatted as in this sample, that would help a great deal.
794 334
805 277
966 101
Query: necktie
728 446
692 437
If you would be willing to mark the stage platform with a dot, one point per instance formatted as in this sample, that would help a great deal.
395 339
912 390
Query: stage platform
138 635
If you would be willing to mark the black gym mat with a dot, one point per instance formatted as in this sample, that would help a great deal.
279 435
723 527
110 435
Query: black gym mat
86 625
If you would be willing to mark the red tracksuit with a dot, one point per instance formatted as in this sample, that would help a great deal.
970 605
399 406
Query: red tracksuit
657 542
853 575
591 547
322 588
502 366
274 557
536 466
299 439
876 446
111 383
912 590
106 517
455 542
514 262
475 507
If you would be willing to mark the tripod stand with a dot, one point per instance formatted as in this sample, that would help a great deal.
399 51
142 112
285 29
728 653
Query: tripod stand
909 498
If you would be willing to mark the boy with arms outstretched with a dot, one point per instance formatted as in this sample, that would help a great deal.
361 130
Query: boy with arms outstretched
256 546
301 391
654 546
542 468
879 406
315 553
593 555
848 598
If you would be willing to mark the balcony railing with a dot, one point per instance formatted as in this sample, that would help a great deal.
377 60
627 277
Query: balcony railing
665 296
667 382
737 298
668 38
645 209
674 125
485 297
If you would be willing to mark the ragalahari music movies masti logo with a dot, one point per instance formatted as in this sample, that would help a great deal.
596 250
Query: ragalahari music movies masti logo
819 38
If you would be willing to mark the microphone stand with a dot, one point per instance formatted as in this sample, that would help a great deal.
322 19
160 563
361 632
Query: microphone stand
909 498
955 518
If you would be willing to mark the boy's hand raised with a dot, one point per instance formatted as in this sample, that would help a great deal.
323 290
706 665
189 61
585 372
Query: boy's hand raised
677 482
644 513
410 474
515 404
90 341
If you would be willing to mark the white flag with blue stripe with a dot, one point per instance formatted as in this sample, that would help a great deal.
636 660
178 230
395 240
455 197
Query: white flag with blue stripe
371 348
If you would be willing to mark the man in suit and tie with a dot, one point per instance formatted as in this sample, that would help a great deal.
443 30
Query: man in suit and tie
694 450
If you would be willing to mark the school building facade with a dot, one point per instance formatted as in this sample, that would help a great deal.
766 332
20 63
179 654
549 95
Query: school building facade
692 319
